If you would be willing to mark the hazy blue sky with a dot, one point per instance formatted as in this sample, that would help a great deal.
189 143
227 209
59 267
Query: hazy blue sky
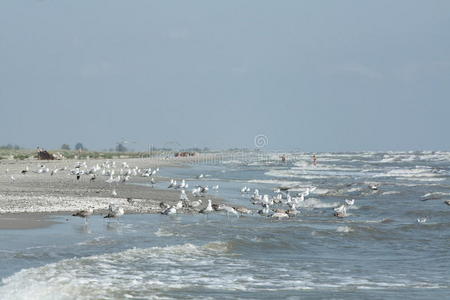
311 75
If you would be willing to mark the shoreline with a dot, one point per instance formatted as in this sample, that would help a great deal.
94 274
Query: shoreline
22 221
29 200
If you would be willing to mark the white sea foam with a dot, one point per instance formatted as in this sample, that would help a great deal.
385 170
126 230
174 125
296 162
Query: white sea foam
153 272
111 276
344 229
316 203
391 193
436 195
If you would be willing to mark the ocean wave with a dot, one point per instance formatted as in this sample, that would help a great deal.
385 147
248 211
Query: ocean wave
436 195
131 273
344 229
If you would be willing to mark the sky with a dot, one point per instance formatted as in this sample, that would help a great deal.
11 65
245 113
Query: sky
334 75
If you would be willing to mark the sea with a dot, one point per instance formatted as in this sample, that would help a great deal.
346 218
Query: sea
394 243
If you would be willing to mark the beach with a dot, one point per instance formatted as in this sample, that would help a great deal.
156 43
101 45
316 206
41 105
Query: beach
26 200
391 243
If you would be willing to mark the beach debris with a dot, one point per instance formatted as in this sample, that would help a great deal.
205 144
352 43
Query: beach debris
44 155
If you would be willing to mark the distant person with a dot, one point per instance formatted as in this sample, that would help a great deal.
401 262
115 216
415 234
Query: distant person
314 159
283 158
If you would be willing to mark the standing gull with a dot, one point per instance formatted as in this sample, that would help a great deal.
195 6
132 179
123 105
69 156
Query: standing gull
84 214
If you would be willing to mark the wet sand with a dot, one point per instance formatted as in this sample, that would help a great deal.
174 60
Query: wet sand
24 221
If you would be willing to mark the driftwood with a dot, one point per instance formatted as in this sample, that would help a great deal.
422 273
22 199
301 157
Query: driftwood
44 155
184 154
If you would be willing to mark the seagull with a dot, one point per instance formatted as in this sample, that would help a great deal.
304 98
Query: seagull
279 215
340 211
183 196
164 206
84 214
114 193
13 178
152 181
169 211
373 187
208 209
182 185
196 192
179 205
195 204
110 179
172 183
242 210
265 210
421 220
115 212
229 210
350 202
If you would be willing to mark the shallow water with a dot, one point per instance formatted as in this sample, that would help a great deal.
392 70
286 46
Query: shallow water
380 251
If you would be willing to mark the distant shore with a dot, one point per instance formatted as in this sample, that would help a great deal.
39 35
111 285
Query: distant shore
26 199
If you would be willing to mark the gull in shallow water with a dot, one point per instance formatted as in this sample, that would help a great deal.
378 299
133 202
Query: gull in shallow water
340 211
350 202
115 211
208 209
172 183
84 213
243 210
373 187
196 203
171 210
421 220
279 215
245 190
228 209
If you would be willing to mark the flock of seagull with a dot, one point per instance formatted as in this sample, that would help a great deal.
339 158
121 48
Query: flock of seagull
280 205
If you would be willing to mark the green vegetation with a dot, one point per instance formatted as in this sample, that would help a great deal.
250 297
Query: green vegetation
11 152
21 156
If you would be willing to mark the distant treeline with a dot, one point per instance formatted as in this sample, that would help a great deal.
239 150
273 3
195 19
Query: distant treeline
10 147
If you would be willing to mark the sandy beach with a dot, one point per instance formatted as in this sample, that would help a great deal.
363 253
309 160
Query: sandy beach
26 200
